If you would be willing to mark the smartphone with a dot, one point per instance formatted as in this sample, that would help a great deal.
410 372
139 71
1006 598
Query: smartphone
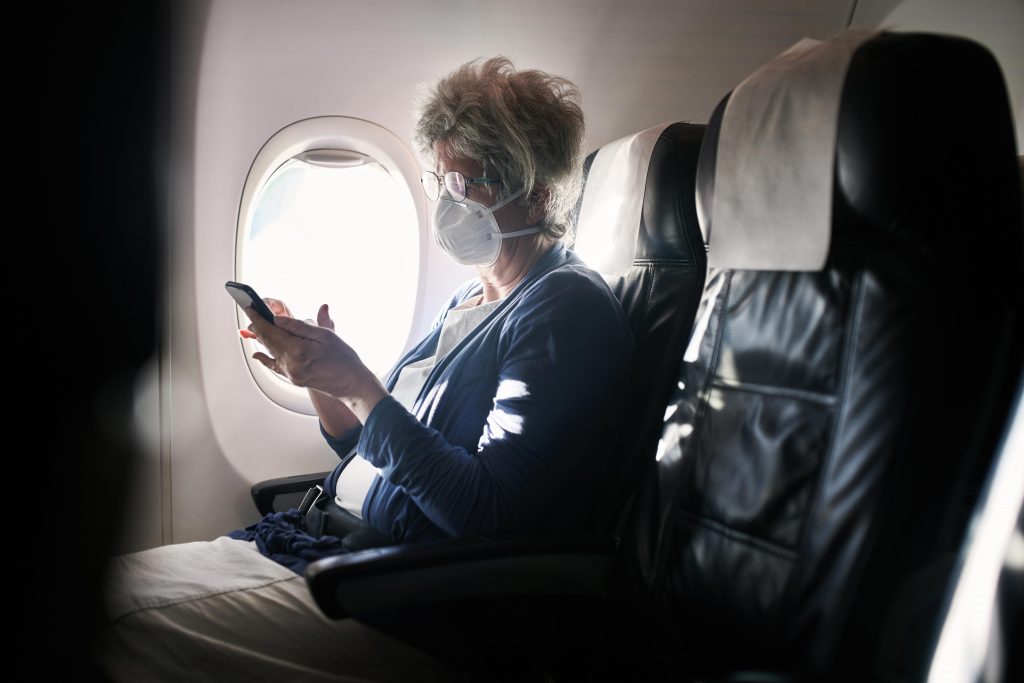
244 295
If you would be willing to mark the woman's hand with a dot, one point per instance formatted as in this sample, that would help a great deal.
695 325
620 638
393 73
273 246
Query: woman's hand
277 307
313 356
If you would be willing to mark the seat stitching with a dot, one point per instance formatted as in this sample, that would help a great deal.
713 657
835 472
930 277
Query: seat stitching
732 533
774 391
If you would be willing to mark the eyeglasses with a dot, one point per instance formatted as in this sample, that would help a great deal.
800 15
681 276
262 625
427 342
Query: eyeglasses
454 182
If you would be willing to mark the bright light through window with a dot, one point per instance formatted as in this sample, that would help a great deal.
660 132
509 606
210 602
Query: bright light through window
340 235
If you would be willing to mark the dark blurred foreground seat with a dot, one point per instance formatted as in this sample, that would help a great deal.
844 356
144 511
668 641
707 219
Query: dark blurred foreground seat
819 457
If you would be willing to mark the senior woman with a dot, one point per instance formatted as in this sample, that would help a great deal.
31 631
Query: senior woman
484 428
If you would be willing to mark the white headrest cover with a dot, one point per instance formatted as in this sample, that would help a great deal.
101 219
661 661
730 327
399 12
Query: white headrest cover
772 202
613 200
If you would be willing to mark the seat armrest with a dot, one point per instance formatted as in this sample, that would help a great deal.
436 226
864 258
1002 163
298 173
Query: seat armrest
264 492
366 581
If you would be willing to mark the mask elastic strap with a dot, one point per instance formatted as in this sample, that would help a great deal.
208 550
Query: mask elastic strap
514 233
503 202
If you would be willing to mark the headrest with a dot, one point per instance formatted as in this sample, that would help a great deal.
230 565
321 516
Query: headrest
924 153
771 204
638 200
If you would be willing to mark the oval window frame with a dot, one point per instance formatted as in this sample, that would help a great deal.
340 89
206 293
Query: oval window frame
342 134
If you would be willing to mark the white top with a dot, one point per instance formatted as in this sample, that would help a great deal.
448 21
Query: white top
357 477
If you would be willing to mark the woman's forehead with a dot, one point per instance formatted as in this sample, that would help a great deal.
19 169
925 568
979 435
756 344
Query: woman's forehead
444 162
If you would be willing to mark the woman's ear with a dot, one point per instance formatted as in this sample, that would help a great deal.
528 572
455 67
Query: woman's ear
538 205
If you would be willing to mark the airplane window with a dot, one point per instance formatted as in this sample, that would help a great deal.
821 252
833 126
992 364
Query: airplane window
331 226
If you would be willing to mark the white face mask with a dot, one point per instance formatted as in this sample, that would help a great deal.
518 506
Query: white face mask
468 232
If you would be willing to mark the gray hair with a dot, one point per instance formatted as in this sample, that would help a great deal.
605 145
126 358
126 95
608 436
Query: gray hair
525 126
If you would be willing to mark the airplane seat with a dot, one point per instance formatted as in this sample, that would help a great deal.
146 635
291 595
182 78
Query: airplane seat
637 226
833 422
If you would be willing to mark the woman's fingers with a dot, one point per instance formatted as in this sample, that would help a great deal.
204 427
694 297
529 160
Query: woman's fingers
299 328
277 306
308 354
270 333
268 361
323 318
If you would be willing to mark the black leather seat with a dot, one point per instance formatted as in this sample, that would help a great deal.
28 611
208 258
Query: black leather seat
820 457
826 441
659 289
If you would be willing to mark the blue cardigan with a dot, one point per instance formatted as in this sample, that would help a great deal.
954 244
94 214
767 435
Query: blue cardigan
500 438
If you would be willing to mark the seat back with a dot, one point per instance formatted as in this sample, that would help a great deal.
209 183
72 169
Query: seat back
637 225
823 439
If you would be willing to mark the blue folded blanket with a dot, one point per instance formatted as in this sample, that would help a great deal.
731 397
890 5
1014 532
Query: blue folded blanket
280 537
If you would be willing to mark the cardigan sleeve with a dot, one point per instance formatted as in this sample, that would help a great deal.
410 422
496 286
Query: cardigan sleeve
562 353
343 443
